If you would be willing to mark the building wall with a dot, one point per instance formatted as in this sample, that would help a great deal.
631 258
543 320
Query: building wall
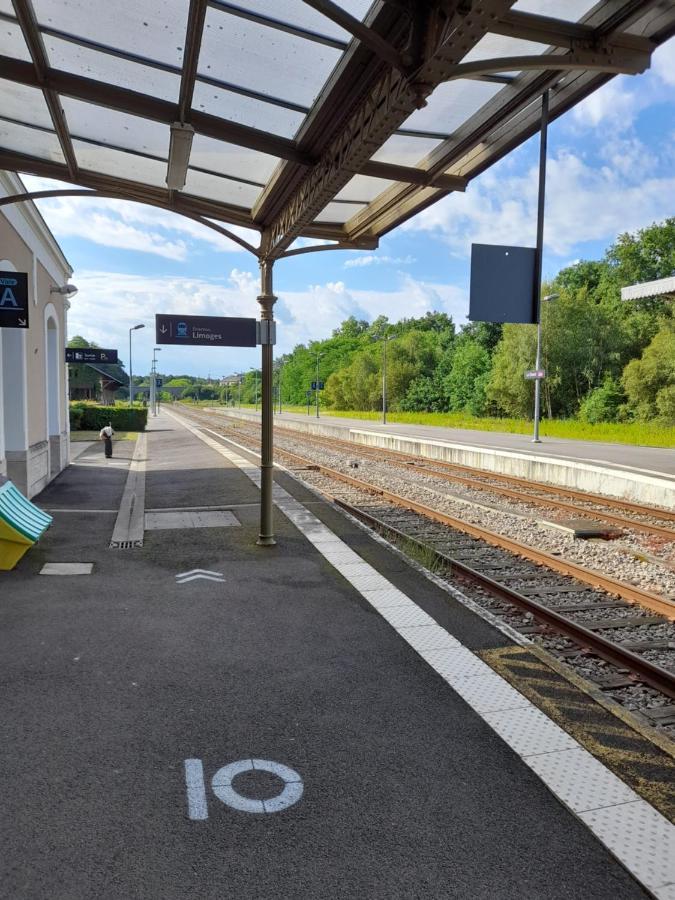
33 405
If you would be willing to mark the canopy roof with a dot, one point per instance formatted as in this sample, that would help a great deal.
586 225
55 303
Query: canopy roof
310 118
662 287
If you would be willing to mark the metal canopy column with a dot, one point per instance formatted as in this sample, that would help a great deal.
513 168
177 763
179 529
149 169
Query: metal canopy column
266 300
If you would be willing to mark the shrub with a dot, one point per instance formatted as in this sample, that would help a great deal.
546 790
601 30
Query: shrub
90 417
602 404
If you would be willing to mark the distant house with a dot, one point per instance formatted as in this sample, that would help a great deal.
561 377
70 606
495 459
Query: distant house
90 382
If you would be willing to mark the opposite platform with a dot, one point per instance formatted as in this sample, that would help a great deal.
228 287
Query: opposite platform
307 720
641 474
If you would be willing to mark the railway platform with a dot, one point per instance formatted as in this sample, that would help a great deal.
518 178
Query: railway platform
642 474
189 715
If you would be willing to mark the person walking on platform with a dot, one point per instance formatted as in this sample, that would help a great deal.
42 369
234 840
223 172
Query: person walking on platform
105 435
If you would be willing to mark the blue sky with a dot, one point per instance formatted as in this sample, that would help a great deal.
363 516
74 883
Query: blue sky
611 168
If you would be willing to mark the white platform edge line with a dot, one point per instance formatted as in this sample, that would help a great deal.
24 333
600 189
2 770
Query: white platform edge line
627 854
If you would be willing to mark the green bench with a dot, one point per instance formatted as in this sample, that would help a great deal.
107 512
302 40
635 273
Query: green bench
22 524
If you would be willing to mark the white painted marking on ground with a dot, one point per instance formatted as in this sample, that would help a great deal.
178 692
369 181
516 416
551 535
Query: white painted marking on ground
196 789
291 793
195 574
67 569
632 831
155 521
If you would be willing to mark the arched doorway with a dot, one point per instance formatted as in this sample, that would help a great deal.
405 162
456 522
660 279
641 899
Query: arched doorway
53 374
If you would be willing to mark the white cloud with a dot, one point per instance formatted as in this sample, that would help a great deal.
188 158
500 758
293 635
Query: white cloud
129 226
108 304
373 260
583 203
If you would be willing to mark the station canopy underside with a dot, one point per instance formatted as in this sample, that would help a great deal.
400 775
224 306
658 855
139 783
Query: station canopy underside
298 118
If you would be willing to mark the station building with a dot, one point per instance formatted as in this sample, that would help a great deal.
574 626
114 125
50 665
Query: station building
34 432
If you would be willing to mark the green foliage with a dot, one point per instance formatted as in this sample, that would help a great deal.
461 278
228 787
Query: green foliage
649 382
467 382
604 403
90 417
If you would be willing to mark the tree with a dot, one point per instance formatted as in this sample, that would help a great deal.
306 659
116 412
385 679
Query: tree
649 382
467 382
604 403
507 388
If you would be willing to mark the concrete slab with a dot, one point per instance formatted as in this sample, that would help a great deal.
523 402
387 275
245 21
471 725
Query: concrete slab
112 690
164 520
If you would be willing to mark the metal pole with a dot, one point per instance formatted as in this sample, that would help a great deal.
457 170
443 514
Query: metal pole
152 387
256 389
384 380
239 379
539 257
316 392
267 301
280 367
131 374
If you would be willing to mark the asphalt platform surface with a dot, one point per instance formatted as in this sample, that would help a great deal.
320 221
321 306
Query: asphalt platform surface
658 461
112 680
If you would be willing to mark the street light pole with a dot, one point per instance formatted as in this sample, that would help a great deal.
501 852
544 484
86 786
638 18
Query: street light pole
131 374
318 357
153 383
539 256
385 341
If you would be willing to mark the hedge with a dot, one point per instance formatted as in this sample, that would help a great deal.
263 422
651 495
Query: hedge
89 417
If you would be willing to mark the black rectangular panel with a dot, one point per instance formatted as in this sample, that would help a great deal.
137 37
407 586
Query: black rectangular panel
13 300
205 331
502 284
90 355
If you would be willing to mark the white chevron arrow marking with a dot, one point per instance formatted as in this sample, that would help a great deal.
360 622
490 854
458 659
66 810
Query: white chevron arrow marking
194 574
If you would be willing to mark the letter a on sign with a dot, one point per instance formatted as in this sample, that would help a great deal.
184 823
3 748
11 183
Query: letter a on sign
8 298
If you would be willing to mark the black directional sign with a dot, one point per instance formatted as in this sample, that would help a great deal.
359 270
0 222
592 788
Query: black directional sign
90 355
13 300
205 331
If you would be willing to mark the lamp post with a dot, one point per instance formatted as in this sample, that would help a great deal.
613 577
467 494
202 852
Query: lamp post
318 357
385 340
239 384
153 382
131 374
255 396
537 366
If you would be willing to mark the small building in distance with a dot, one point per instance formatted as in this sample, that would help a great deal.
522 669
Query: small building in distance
88 381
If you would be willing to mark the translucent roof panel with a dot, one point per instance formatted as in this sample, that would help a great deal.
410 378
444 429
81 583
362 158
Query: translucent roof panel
264 59
6 7
26 104
116 128
570 10
12 42
364 187
229 159
154 28
339 212
405 151
246 111
493 46
451 104
297 13
211 187
71 57
120 164
32 141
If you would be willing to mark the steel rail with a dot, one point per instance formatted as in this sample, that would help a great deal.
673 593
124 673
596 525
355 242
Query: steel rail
426 464
622 522
649 673
564 567
629 592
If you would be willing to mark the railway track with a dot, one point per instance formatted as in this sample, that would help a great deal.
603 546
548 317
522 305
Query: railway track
618 513
537 593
